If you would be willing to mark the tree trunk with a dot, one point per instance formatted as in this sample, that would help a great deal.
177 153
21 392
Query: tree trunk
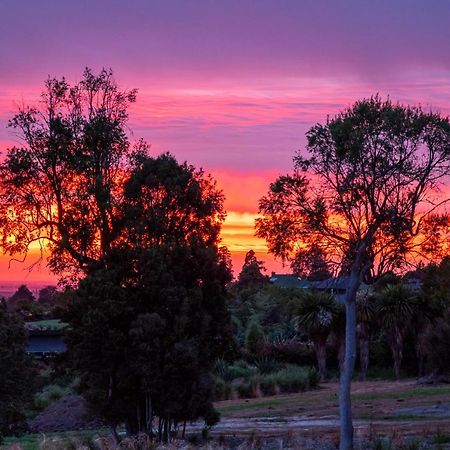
363 350
345 405
320 347
397 352
341 352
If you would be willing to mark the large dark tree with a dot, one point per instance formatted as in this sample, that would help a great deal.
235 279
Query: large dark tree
61 188
251 274
311 263
15 372
368 194
147 327
149 317
24 303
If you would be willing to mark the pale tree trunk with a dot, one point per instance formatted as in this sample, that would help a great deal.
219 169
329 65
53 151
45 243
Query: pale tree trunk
363 350
341 352
359 268
345 404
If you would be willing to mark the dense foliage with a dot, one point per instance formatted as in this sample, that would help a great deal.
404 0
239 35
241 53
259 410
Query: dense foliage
147 328
367 194
15 372
62 187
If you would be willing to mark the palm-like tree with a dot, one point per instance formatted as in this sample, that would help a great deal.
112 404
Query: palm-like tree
365 315
315 313
396 307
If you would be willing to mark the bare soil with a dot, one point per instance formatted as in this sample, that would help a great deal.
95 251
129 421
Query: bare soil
69 413
392 408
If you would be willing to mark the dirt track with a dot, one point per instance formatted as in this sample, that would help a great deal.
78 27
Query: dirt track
382 407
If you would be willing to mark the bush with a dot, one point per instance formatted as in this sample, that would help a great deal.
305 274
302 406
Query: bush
291 351
288 380
241 369
222 389
248 389
49 394
254 338
296 379
266 364
268 384
313 377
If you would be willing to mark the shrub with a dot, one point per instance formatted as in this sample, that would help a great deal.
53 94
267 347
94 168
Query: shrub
266 364
248 389
313 377
254 338
219 388
49 394
291 351
268 384
292 379
222 389
240 369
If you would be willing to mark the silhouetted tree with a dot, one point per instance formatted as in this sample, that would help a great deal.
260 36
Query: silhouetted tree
251 274
15 372
22 293
146 328
24 303
316 313
62 188
47 295
368 195
437 343
396 307
311 263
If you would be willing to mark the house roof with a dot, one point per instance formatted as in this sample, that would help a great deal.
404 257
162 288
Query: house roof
45 344
289 281
292 281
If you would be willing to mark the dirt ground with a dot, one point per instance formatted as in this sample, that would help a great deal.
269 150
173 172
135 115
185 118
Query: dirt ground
389 408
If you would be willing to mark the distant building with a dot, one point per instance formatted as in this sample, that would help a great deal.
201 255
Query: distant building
414 283
289 281
43 343
336 286
46 338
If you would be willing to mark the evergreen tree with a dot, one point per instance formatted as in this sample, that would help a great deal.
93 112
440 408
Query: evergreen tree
15 372
147 326
251 274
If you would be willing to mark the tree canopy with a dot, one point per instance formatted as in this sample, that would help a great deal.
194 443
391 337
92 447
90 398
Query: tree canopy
61 188
147 326
138 237
15 372
251 274
368 192
368 195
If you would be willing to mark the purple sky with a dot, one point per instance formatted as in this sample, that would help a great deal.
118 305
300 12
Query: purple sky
231 85
236 81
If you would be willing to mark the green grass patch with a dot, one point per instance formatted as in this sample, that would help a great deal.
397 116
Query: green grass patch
27 442
32 441
49 324
404 395
255 405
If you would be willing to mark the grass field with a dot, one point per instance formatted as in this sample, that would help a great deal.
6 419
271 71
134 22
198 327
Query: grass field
50 324
387 408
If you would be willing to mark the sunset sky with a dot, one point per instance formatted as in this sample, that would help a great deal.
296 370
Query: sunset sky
228 85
